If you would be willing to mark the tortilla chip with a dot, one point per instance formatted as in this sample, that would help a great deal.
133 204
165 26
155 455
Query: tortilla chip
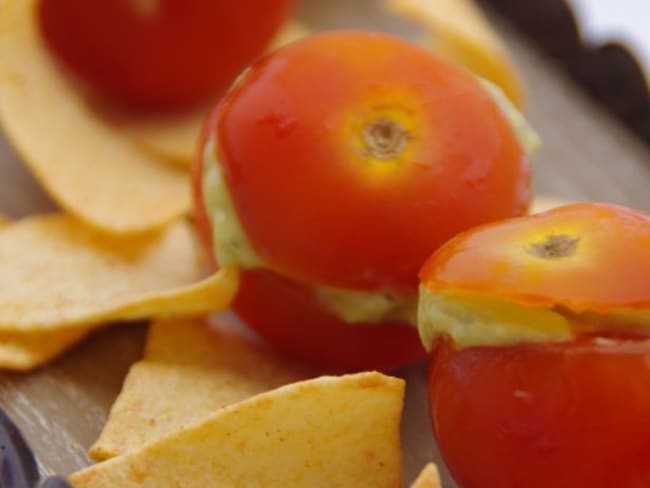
428 478
58 274
22 351
3 220
459 31
88 168
171 138
542 203
330 431
208 367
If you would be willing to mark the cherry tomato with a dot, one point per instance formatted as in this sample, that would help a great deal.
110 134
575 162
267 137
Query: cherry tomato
161 54
350 156
564 415
569 413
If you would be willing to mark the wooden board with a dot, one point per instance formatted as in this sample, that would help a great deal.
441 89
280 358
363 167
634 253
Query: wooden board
62 407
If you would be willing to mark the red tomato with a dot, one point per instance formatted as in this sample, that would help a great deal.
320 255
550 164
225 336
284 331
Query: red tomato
350 156
548 415
289 317
160 54
565 414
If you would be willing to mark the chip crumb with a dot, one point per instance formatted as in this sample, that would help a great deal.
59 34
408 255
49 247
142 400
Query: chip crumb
428 478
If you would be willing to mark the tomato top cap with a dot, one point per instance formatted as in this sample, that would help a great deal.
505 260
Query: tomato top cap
583 257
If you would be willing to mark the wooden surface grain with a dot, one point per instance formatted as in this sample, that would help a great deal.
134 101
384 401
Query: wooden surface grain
586 156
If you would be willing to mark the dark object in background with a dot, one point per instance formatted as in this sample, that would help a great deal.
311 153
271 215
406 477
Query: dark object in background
609 73
18 468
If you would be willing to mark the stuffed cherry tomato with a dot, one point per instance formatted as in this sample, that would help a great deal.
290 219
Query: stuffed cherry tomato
329 172
160 53
540 336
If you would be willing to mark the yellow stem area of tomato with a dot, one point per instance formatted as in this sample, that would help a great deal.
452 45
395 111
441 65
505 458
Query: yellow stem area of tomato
563 244
555 246
384 139
145 8
383 136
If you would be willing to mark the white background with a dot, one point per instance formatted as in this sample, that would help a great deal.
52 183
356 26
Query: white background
627 21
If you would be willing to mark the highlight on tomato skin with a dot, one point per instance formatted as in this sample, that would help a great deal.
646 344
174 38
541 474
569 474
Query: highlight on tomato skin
337 153
159 54
539 329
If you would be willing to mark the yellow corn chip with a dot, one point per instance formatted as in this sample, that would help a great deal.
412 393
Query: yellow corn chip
428 478
88 167
174 137
459 31
330 431
209 367
3 220
59 274
22 351
542 203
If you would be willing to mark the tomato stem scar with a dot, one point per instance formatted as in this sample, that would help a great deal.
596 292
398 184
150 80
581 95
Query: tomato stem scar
146 8
554 247
384 138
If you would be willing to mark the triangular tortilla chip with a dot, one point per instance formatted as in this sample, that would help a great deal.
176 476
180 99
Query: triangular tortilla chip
459 31
428 478
60 279
88 167
208 366
327 432
3 220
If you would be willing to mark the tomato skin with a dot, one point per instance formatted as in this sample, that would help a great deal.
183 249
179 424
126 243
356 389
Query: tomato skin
610 244
201 219
287 315
565 415
315 203
180 53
